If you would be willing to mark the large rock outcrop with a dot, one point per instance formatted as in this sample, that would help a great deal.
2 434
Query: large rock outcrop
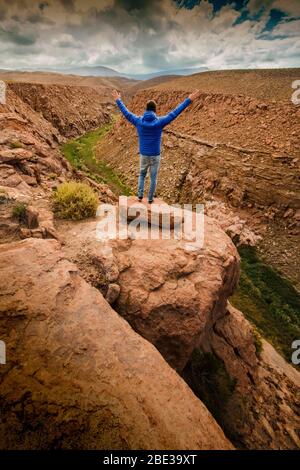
169 293
77 375
177 299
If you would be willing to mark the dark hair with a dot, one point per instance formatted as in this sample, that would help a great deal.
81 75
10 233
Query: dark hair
151 106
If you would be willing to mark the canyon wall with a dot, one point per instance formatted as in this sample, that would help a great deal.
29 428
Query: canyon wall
72 110
222 145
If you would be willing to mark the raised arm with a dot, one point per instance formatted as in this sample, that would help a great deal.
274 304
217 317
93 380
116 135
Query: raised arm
129 116
165 120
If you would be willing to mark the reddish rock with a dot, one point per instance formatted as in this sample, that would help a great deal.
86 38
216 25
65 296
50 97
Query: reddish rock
262 410
77 376
170 294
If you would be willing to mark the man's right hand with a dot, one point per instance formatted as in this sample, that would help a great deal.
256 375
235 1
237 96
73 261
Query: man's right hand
193 96
116 95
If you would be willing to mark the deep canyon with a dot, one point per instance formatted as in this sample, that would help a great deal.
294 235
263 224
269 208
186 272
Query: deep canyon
146 344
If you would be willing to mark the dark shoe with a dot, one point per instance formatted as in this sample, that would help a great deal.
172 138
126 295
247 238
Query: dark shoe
150 202
140 199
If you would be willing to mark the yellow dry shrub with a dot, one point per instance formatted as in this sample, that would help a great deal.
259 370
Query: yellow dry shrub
75 201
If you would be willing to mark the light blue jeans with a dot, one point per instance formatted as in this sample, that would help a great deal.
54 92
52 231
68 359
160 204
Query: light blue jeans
153 164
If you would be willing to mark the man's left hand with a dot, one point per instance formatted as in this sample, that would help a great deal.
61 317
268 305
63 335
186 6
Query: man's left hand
116 95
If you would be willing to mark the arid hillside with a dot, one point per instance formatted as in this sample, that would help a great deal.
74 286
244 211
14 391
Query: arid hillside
269 84
152 82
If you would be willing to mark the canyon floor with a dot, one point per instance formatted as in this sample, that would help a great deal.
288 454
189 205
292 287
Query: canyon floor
136 343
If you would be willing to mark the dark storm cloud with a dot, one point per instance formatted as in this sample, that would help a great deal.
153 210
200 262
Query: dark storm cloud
18 38
43 5
36 17
68 5
126 13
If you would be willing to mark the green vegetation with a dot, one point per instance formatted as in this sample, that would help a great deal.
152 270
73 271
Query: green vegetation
16 144
19 212
269 301
3 196
257 340
75 201
52 176
207 376
81 154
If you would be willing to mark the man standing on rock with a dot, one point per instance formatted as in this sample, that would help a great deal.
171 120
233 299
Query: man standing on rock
149 128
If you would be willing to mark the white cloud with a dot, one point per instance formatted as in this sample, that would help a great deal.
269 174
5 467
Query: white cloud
139 40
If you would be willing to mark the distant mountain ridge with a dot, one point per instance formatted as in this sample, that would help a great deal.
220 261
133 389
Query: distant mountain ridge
101 71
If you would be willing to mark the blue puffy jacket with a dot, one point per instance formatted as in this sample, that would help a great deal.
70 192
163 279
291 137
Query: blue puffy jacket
150 127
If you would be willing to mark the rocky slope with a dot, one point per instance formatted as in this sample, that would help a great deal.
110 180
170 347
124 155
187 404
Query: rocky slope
31 165
103 85
269 84
77 376
72 110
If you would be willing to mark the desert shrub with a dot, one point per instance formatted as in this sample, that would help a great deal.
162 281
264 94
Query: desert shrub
16 144
3 196
257 340
74 200
19 212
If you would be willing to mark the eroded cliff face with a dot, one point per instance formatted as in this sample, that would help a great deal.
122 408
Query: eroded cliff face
31 166
261 411
72 110
221 145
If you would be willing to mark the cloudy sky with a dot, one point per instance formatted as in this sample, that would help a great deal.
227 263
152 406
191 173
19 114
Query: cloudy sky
149 35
